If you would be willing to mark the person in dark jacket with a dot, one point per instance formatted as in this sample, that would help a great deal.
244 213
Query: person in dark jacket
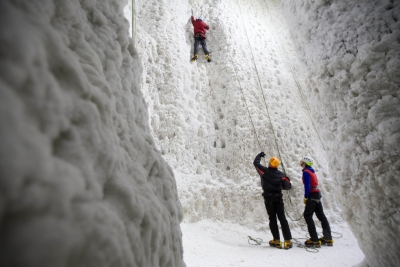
199 33
271 183
312 200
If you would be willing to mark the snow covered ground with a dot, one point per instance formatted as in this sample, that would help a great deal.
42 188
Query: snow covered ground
210 243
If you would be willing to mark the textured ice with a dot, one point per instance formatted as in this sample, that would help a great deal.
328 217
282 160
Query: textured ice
82 183
339 105
95 125
351 50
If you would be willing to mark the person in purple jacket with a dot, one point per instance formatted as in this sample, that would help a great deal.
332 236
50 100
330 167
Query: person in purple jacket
312 200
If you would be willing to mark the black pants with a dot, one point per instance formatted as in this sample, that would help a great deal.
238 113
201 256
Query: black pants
316 206
202 41
275 208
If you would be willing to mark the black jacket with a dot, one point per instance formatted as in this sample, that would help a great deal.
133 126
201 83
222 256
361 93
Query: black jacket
271 179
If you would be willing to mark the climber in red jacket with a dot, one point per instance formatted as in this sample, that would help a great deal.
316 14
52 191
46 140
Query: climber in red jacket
199 33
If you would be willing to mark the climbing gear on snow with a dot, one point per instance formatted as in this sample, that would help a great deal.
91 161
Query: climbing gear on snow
299 244
207 56
326 242
194 58
274 162
287 244
309 243
275 243
257 241
296 241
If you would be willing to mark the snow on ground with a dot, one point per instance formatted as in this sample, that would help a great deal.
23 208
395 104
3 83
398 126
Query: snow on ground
210 243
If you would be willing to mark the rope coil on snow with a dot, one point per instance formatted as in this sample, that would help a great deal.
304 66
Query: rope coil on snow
299 244
257 241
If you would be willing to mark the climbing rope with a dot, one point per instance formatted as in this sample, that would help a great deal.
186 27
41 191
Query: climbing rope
291 204
299 87
293 220
300 244
257 241
245 102
261 88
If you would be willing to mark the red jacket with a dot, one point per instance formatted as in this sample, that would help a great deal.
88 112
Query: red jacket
199 28
310 181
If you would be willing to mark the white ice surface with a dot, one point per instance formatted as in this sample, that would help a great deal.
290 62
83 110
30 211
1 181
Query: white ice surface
351 50
81 181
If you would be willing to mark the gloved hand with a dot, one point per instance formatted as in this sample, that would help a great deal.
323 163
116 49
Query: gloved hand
305 200
262 154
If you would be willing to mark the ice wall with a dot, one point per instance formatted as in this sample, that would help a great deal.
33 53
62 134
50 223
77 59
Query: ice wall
211 119
81 182
352 52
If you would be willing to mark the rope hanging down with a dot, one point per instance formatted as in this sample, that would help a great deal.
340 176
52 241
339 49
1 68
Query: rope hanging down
259 241
289 62
245 102
261 88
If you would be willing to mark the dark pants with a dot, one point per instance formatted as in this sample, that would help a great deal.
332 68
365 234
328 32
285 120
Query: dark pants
202 41
316 206
275 208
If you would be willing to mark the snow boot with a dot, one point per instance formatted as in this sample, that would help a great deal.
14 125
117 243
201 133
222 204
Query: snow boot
208 58
275 243
326 242
309 243
287 244
194 58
